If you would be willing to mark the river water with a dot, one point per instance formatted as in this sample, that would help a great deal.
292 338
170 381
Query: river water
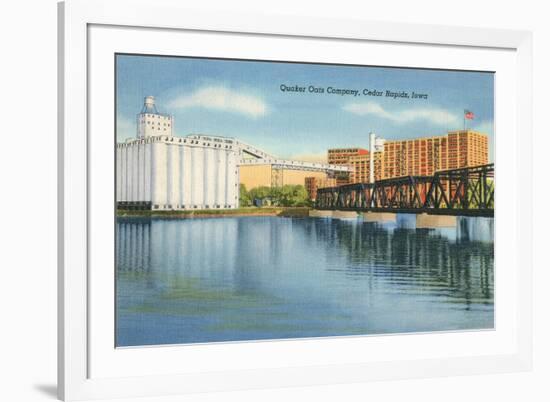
252 278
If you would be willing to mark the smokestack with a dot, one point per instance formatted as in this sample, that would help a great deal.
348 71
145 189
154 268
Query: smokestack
372 145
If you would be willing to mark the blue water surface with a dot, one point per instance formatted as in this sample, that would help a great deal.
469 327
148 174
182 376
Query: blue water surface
253 278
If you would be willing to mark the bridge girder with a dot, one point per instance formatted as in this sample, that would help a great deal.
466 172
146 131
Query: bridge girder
466 191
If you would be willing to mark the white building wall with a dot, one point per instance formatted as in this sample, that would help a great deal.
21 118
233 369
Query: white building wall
127 168
126 174
173 176
153 125
210 178
159 175
141 171
130 172
232 181
221 168
187 176
176 174
118 177
197 191
148 149
183 176
135 173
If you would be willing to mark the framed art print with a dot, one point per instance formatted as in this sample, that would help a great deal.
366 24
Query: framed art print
263 220
243 201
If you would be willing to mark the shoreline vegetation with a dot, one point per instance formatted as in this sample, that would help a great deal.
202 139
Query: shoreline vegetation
216 213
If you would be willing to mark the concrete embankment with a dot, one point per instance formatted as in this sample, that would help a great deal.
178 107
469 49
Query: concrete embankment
425 221
421 221
379 217
345 215
217 213
319 213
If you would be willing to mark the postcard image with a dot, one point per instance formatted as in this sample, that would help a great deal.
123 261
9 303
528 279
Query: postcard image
261 200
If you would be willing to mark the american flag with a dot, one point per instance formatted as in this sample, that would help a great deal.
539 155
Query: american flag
468 114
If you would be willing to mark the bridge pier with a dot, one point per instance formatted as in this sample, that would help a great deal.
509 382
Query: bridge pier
379 217
344 214
319 213
426 221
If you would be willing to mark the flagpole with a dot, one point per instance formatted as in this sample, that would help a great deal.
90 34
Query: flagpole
468 115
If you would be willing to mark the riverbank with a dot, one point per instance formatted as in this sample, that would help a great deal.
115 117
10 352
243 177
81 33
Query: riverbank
216 213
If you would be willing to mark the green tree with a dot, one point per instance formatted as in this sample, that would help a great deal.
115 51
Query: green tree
291 195
244 197
259 193
285 196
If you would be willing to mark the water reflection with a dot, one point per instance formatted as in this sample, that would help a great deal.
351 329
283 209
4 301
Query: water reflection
222 279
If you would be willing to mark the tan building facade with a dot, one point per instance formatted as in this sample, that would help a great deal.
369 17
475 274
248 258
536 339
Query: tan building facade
262 175
341 156
423 156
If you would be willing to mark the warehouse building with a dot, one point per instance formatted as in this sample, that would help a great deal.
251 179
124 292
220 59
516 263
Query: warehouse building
158 170
418 157
161 171
341 157
313 184
270 176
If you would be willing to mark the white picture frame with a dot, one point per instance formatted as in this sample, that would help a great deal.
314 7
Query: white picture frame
76 349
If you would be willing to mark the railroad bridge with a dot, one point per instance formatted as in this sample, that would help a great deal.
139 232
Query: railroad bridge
458 192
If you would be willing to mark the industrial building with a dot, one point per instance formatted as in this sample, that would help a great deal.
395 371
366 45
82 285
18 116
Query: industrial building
269 176
312 184
424 156
417 157
158 170
341 156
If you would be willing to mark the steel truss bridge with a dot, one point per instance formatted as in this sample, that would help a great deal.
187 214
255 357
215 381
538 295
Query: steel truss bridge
466 191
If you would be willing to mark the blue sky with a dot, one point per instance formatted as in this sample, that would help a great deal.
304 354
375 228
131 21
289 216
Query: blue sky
243 99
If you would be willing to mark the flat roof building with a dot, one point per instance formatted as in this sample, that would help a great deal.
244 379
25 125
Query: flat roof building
158 170
341 156
313 184
423 156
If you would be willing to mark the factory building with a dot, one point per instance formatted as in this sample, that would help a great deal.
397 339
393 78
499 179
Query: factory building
151 123
341 157
269 176
160 171
424 156
313 184
416 157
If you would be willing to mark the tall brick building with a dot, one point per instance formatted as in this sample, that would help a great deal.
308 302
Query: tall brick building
341 156
419 156
312 184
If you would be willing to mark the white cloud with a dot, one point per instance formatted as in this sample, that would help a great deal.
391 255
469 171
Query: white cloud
224 99
433 115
